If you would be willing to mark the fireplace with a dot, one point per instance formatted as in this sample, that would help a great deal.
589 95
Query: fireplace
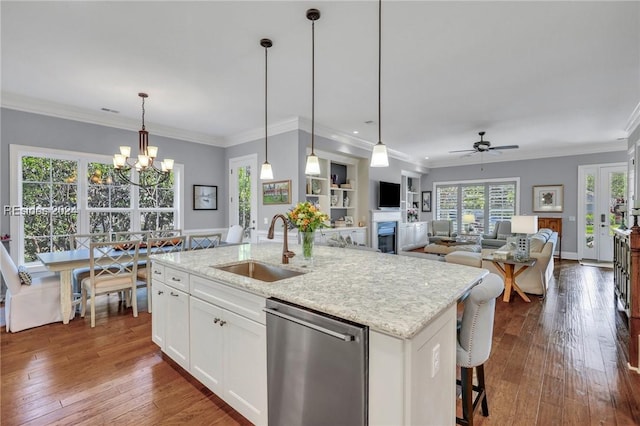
384 230
387 237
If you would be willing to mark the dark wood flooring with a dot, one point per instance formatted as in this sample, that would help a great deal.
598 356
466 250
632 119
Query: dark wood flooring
557 361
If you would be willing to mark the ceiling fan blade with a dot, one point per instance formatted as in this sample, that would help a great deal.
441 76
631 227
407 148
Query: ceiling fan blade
505 147
494 152
463 150
471 154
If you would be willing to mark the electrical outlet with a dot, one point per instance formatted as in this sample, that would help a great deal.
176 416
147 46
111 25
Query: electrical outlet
266 220
435 360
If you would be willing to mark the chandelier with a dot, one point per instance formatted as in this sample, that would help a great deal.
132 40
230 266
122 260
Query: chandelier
149 174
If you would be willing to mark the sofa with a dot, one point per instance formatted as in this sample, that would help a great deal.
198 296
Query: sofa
498 238
534 280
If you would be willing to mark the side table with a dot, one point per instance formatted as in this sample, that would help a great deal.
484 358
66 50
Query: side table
510 269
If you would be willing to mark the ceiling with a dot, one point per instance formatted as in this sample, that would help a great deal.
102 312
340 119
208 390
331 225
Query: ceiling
556 78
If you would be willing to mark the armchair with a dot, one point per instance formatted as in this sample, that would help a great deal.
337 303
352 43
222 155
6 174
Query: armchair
498 238
441 229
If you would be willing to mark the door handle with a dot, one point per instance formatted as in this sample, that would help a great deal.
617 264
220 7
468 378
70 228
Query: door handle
341 336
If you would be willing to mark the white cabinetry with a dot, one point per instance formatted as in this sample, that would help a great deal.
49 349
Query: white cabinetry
170 301
413 235
336 190
228 345
411 197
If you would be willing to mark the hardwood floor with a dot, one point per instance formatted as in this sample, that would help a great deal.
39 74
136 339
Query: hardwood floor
557 361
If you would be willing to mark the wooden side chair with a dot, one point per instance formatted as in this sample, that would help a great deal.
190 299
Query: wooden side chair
83 241
204 241
156 246
473 345
111 269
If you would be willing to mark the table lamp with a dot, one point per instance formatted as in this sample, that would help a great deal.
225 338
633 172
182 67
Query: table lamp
467 220
623 211
523 225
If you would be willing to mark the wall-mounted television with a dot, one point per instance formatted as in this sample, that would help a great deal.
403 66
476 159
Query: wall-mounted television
389 195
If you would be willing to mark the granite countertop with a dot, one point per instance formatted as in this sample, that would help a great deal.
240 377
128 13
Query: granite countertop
396 295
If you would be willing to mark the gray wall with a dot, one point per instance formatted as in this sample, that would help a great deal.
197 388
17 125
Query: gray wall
204 164
544 171
283 155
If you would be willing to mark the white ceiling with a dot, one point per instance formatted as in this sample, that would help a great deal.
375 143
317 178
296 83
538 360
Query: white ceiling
553 77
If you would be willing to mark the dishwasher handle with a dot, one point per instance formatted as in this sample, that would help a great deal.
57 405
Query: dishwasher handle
341 336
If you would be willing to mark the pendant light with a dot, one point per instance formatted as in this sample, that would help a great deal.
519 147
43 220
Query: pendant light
313 165
266 172
379 157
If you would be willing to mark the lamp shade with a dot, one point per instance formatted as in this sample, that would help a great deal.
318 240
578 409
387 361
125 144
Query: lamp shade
266 172
468 218
524 224
379 157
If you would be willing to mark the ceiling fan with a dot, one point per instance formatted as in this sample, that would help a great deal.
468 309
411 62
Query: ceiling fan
483 146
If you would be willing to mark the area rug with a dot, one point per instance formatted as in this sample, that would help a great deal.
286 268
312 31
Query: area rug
596 264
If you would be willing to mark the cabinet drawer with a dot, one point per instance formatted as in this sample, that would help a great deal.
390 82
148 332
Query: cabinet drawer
241 302
176 279
157 271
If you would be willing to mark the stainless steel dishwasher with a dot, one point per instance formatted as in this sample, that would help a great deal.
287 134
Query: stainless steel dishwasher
317 367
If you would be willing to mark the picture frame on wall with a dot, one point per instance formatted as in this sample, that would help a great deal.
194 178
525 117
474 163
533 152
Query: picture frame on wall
276 192
426 201
548 198
205 197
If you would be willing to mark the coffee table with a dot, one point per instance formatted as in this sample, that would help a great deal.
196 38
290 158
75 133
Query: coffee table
446 246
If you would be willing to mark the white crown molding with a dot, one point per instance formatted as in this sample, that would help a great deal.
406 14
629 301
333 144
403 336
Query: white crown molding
524 155
634 121
301 123
53 109
258 133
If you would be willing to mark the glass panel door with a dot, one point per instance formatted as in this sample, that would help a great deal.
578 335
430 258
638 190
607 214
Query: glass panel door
613 182
243 197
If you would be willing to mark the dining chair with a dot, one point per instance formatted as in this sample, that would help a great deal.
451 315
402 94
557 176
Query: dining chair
83 241
160 233
473 345
234 235
29 305
123 236
111 270
203 241
157 246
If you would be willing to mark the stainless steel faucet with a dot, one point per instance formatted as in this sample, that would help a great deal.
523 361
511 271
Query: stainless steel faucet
286 253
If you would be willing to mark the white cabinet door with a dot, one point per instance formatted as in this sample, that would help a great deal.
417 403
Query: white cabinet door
177 326
245 367
206 344
159 315
359 236
404 235
422 231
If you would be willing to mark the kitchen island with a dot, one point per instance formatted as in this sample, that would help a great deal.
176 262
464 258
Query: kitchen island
409 305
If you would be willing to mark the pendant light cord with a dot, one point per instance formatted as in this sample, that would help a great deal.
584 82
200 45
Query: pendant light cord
379 70
266 156
313 82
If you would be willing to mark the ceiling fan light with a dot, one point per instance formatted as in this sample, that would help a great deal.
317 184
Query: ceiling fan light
266 172
379 157
313 165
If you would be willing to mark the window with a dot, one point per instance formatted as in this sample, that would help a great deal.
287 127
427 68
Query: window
60 193
476 206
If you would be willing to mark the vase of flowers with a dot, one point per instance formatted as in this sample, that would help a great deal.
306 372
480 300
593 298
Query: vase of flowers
307 218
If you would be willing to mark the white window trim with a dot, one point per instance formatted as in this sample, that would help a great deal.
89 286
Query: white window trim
472 181
16 152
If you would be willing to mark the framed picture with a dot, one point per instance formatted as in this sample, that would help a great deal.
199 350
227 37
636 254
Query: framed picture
348 220
205 197
548 198
426 201
277 192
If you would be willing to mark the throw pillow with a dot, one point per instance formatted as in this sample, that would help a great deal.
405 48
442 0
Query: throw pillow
503 236
25 277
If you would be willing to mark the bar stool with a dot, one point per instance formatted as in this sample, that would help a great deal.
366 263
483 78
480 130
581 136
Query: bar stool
474 344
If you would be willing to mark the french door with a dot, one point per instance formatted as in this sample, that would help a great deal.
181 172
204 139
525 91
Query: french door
243 194
602 191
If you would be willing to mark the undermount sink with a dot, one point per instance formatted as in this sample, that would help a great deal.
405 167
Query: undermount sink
259 271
